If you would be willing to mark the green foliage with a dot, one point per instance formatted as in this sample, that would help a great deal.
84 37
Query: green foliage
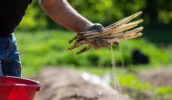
163 89
132 81
107 11
34 17
103 11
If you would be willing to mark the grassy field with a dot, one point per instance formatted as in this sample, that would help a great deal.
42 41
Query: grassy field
43 48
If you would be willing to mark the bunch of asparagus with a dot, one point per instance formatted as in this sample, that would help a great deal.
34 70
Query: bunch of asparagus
113 33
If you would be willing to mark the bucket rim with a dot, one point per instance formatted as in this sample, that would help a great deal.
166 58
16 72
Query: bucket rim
35 85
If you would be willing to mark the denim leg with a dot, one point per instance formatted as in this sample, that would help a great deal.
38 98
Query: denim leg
3 53
11 66
0 69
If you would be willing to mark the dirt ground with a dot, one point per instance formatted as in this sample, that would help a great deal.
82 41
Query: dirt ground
67 84
157 77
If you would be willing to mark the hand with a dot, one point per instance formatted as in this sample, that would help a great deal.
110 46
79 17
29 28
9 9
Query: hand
99 43
96 27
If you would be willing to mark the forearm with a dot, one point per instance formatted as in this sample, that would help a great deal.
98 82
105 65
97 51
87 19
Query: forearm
62 13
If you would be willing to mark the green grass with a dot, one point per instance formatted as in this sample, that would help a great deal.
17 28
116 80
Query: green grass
48 48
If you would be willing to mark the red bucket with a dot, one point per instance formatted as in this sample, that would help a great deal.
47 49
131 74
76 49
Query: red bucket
13 88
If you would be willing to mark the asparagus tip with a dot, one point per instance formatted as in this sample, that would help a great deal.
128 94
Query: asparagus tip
141 20
140 12
140 34
141 28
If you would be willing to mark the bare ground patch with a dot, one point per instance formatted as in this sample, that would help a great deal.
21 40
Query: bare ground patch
67 84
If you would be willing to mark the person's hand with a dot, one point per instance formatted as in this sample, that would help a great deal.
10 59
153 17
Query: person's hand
99 43
96 27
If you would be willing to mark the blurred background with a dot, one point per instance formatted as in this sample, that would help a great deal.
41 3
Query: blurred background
43 43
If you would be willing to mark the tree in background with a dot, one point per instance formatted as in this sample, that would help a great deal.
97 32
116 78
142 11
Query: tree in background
103 11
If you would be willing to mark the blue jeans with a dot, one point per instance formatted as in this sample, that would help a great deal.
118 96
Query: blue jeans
10 64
